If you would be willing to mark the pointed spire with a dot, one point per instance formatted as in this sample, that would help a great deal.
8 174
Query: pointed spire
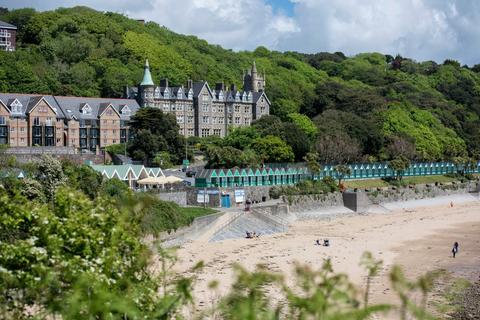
254 67
147 77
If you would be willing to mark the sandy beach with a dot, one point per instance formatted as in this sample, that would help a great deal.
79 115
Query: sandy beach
417 236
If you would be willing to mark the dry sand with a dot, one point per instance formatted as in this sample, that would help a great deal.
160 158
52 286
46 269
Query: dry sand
417 238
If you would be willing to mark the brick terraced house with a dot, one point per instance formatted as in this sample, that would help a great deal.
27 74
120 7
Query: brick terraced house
79 122
201 110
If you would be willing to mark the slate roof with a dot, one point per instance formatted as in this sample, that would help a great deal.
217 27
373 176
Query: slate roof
28 101
72 106
258 95
197 87
67 107
6 25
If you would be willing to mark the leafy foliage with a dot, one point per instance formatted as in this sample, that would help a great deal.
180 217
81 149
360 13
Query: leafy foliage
155 132
363 99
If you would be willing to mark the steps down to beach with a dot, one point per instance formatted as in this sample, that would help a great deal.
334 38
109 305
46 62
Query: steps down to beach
224 221
248 222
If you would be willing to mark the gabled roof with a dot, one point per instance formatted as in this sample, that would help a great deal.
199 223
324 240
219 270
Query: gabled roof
258 95
34 101
122 172
4 105
198 87
71 106
104 106
6 25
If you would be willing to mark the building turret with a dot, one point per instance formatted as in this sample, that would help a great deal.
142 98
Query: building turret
252 81
146 88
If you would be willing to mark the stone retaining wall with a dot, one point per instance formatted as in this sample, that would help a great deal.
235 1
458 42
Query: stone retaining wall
179 198
29 154
384 195
313 201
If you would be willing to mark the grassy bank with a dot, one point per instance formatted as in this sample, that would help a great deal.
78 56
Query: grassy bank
195 212
379 183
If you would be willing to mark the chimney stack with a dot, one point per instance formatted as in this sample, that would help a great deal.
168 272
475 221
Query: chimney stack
220 86
233 87
164 83
189 84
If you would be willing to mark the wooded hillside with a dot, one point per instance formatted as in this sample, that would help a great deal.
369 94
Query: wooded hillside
373 103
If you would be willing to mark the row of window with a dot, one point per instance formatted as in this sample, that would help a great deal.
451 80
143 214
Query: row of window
36 121
87 110
206 132
215 120
166 107
205 108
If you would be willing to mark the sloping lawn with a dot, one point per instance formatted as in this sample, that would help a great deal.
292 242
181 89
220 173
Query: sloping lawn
194 212
365 184
428 179
378 183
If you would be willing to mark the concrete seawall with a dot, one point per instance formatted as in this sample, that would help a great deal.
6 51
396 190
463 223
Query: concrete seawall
362 201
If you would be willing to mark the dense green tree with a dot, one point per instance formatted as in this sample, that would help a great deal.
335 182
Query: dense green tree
272 149
399 165
50 175
229 157
82 177
241 137
304 123
161 135
145 145
80 51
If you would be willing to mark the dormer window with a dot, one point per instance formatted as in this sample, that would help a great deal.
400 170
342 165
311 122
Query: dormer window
166 94
244 96
16 106
249 96
86 109
190 94
220 96
157 93
237 97
125 111
180 94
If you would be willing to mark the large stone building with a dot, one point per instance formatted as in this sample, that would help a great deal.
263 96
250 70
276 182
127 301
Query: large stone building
94 123
201 110
78 122
8 34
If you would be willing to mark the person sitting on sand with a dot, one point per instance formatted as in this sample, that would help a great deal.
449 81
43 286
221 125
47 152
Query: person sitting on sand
317 242
451 204
455 249
249 235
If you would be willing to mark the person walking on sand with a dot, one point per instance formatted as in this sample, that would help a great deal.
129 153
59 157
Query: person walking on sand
455 249
451 204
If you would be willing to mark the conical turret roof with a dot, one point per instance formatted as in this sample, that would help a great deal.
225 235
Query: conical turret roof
147 77
254 67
